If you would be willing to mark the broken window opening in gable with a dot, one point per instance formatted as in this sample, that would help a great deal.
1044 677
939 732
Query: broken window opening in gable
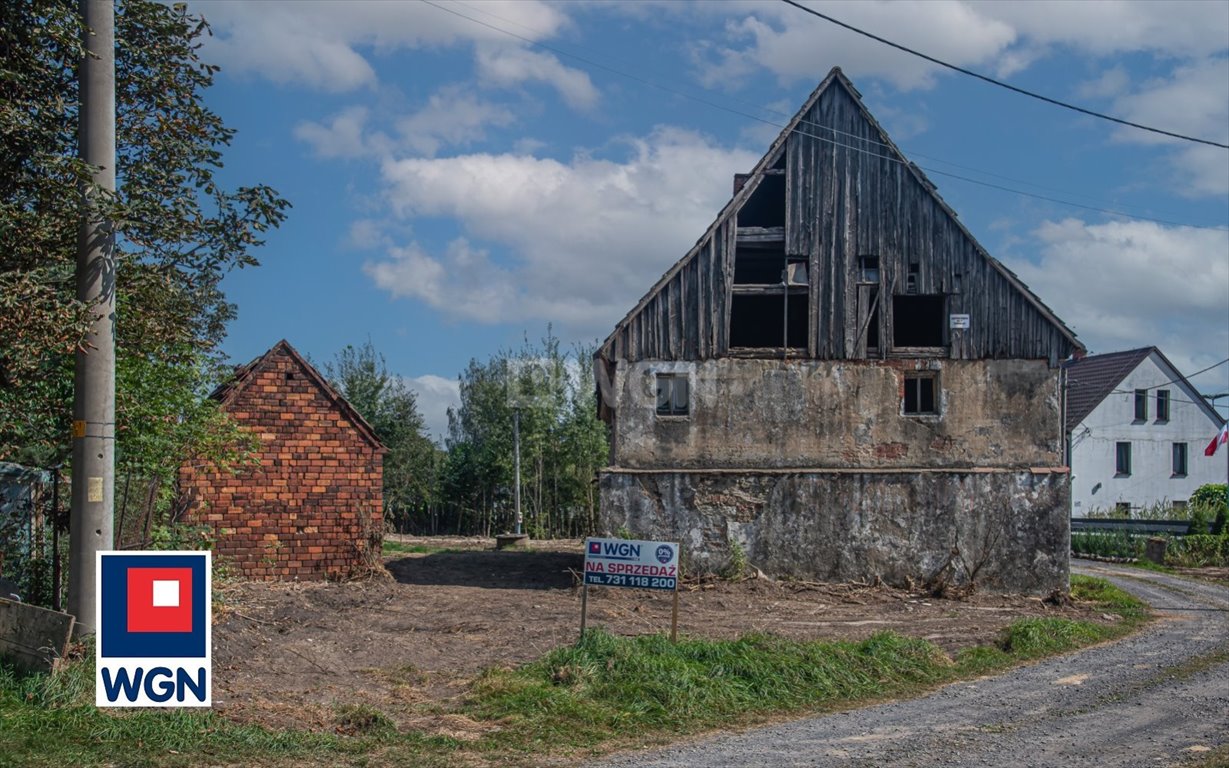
917 321
920 393
770 320
673 394
912 278
868 316
868 269
759 263
766 206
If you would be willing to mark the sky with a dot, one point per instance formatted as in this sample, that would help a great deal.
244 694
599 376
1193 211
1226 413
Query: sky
465 175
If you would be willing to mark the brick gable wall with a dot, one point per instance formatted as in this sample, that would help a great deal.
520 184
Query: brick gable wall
312 509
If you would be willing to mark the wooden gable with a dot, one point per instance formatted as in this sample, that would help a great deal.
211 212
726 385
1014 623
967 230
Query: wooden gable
837 240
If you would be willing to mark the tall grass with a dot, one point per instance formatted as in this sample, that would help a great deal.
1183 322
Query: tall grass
603 692
1108 543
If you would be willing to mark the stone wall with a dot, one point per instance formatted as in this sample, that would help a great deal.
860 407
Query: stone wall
313 507
1002 530
823 414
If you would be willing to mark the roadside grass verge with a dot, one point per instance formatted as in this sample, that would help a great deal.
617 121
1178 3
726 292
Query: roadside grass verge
603 693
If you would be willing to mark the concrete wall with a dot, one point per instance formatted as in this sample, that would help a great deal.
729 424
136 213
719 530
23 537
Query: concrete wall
1096 486
817 414
1004 530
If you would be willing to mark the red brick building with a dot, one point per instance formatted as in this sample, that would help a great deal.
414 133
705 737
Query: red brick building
313 508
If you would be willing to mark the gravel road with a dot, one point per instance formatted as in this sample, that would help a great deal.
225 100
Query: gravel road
1158 698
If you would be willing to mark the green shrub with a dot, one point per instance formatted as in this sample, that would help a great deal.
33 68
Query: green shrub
1214 495
1199 551
1200 519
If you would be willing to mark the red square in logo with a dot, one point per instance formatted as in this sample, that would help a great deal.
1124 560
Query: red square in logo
159 599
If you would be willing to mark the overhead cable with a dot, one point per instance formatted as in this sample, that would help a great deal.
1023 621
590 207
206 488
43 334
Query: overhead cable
1000 83
775 124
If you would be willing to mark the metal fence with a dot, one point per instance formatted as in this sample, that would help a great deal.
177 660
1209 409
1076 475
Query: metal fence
1103 524
34 516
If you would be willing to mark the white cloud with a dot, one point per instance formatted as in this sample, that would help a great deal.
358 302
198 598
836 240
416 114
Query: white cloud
435 395
586 238
795 46
998 37
464 282
1194 100
1171 28
510 66
1123 285
344 136
326 44
451 116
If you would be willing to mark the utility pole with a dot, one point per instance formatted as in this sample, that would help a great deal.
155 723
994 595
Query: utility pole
516 440
93 471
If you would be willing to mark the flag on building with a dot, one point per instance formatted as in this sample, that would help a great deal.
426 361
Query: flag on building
1217 441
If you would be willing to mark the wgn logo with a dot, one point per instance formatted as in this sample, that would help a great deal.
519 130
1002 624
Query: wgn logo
153 621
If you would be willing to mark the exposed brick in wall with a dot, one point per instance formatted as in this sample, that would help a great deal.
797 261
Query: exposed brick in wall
313 508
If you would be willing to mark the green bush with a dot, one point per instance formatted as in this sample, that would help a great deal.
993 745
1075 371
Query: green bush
1212 500
1214 495
1199 551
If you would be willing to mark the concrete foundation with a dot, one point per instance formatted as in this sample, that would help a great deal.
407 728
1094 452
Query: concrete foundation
1002 530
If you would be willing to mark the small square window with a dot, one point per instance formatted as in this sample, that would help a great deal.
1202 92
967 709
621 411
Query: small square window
1162 405
673 396
1122 459
868 268
1179 463
920 389
1141 405
1179 505
1123 509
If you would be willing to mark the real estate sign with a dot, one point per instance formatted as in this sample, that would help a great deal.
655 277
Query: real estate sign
629 563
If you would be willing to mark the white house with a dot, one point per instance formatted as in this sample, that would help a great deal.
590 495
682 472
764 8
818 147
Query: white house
1136 433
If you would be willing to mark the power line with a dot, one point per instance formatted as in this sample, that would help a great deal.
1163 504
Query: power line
1187 379
787 116
1000 83
775 124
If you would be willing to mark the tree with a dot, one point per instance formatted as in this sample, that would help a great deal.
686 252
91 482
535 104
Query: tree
563 444
361 375
178 232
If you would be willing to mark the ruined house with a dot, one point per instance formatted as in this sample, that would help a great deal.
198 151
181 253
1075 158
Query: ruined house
312 508
838 382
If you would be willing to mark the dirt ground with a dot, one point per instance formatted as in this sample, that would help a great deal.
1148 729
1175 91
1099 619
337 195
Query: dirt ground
297 654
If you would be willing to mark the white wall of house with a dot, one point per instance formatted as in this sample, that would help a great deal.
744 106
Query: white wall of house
1095 482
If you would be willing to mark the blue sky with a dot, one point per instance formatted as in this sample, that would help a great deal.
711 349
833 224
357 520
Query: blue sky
466 173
